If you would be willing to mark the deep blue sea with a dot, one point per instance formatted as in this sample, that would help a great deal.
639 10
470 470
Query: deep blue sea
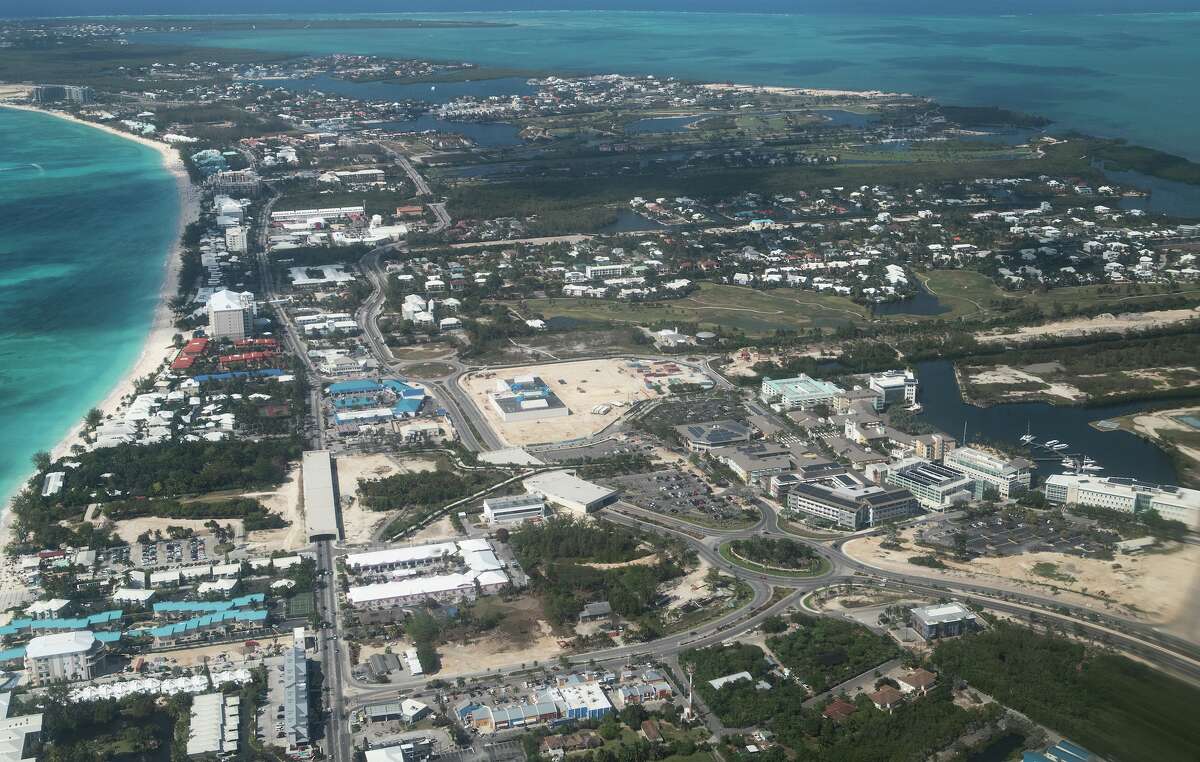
1130 75
86 219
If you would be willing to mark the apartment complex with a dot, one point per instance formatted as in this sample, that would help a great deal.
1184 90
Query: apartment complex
231 315
63 657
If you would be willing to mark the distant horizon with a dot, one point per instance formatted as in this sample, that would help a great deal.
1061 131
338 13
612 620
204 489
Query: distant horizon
107 8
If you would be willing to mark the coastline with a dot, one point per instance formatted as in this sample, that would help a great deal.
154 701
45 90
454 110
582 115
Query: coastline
157 347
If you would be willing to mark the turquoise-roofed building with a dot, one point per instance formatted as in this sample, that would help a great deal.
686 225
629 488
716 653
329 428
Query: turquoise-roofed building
90 622
176 608
197 628
360 386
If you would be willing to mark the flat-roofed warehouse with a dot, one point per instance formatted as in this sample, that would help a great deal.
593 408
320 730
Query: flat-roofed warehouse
320 497
569 491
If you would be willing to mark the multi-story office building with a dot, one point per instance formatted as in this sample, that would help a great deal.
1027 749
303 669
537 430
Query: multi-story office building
943 620
514 509
849 504
798 392
1125 495
1007 477
235 239
894 386
935 486
602 271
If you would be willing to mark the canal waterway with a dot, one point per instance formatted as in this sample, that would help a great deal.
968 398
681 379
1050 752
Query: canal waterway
1119 452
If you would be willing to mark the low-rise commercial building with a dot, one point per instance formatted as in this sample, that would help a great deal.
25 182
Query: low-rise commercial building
527 398
214 724
443 588
514 509
703 437
295 693
565 489
1125 495
755 461
320 499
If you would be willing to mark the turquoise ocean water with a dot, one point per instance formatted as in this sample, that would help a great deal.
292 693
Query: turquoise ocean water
1128 75
86 219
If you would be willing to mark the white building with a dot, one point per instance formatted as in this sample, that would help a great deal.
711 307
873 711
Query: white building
235 239
1007 477
1126 495
600 272
894 386
514 509
214 724
231 315
565 489
798 392
444 588
63 657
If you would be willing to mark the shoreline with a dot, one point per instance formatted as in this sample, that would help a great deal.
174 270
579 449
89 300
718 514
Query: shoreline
156 347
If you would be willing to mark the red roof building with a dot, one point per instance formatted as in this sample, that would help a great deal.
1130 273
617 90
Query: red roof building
839 709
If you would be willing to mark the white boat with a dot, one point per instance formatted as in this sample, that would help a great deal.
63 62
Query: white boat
1051 442
1027 438
1092 467
915 407
1060 446
1068 463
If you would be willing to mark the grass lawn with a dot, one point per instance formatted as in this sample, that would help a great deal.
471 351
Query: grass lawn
754 312
965 292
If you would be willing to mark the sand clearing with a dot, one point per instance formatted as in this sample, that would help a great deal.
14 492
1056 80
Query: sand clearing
493 651
1154 587
286 502
360 523
582 386
1107 323
1007 374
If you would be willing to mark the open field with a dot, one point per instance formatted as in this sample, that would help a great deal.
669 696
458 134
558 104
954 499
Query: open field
965 292
580 385
1155 587
714 305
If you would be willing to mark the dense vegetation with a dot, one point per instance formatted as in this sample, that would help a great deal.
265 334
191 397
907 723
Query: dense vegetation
576 540
171 469
424 490
253 514
777 553
911 733
134 728
823 652
1114 706
556 554
129 472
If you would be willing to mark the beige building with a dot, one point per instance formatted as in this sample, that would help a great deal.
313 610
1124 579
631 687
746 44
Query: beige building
231 315
63 657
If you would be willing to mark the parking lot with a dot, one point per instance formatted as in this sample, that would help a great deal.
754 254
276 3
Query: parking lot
150 555
998 536
679 493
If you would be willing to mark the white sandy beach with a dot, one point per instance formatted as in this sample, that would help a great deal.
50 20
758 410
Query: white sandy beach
157 348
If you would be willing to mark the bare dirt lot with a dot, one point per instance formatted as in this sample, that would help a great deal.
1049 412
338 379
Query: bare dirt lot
1020 383
582 386
359 522
1156 587
1106 323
